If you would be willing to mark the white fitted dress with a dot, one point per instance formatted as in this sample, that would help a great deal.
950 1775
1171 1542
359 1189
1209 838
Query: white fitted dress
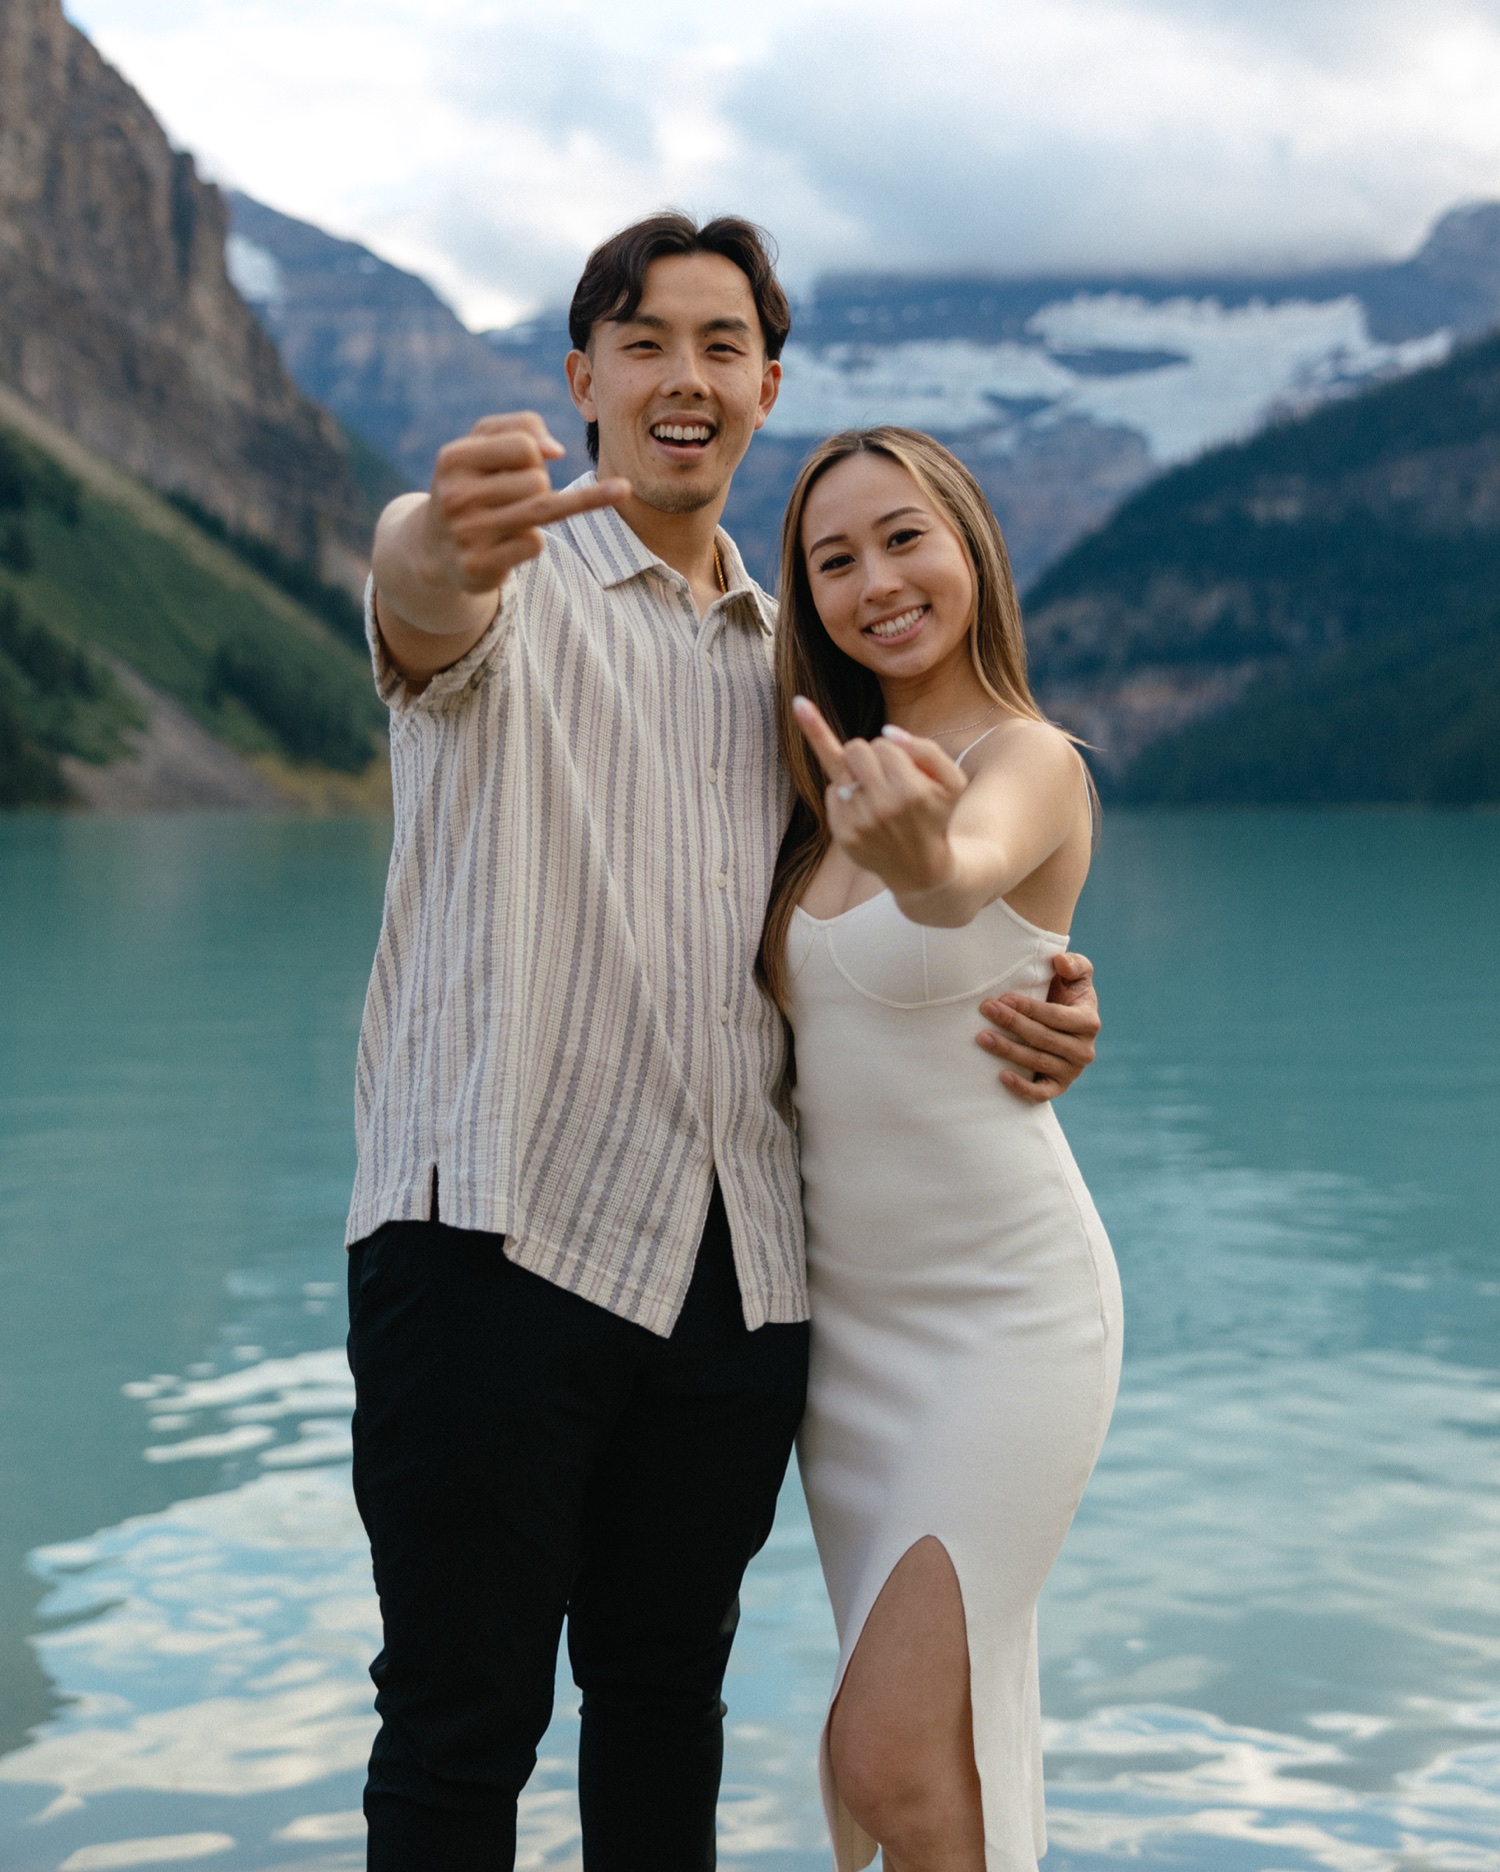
966 1312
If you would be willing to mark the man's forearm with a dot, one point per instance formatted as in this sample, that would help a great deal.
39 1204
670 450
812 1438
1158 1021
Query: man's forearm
412 586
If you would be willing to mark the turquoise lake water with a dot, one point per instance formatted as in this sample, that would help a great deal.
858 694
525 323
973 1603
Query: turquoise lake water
1273 1641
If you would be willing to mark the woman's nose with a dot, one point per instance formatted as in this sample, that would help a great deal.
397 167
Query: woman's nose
882 581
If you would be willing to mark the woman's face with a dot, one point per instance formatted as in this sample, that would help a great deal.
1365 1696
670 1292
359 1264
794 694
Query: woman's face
887 570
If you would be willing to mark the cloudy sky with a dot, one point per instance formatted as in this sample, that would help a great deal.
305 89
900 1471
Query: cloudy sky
488 144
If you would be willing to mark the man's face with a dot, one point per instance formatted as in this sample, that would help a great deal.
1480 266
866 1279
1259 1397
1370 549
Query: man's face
679 389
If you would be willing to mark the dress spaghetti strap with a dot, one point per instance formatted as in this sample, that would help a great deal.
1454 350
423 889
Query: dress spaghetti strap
1083 768
1091 795
959 760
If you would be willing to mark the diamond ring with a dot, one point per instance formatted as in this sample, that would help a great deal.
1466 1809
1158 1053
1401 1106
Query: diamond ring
847 793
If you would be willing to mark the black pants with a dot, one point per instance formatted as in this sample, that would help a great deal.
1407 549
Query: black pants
521 1455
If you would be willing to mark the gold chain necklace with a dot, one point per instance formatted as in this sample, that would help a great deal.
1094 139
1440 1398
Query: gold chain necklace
962 727
719 571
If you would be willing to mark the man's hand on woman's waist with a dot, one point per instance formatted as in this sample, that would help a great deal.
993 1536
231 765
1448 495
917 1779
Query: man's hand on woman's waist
1046 1044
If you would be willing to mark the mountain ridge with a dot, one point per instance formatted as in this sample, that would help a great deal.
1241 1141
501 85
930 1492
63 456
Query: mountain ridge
378 347
1257 625
1452 280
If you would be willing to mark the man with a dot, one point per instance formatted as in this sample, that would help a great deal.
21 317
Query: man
577 1305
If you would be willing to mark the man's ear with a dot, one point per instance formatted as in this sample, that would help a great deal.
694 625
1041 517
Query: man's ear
770 389
580 368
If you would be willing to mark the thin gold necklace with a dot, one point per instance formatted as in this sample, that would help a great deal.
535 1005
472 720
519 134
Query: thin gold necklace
963 727
719 571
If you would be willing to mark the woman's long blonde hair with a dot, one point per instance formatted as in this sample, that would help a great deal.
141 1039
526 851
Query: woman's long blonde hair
809 663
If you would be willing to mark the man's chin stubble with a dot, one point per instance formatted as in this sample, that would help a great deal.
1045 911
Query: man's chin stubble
676 497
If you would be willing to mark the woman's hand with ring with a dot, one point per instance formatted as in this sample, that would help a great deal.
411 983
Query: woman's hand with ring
888 802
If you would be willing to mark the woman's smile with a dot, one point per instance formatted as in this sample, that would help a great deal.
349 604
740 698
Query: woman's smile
899 629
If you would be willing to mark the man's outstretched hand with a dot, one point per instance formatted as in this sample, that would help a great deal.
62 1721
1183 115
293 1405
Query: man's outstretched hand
1047 1044
492 495
440 558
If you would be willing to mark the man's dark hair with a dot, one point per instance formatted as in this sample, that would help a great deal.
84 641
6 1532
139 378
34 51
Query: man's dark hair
614 276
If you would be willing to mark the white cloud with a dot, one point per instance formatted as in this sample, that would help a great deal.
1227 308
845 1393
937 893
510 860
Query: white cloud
489 143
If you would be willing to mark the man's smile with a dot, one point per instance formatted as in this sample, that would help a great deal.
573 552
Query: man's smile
683 438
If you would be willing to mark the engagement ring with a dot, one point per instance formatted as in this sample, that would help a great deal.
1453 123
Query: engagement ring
847 792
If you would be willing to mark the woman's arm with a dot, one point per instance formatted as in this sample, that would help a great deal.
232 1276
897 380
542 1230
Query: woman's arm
946 846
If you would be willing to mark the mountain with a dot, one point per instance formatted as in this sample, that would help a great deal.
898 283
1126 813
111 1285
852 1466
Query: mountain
151 657
1309 616
379 348
117 317
1064 395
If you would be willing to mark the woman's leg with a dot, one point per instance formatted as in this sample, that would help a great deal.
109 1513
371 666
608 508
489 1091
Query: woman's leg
901 1737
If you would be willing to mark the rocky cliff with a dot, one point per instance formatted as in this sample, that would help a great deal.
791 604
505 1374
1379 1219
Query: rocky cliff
117 316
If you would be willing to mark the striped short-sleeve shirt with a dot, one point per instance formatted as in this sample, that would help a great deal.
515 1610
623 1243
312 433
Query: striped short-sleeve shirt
563 1023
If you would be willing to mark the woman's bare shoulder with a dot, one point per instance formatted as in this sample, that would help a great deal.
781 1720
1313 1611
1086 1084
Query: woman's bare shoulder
1039 748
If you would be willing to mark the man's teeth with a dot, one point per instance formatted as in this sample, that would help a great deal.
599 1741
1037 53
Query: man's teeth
681 432
896 626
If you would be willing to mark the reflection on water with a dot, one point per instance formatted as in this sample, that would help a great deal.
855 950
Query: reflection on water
218 1648
1273 1641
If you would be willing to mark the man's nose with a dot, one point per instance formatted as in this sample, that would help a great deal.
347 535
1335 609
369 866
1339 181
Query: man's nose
684 375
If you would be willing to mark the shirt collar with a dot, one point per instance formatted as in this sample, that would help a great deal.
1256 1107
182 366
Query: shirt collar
615 555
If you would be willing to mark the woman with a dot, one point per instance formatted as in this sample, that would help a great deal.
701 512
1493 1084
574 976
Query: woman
965 1304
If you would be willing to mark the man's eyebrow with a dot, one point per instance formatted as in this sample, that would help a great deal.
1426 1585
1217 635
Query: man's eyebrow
830 539
654 323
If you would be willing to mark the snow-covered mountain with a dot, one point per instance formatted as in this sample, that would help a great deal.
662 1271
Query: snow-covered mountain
1188 362
1183 373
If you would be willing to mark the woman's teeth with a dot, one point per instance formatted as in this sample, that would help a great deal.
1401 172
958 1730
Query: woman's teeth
681 432
896 626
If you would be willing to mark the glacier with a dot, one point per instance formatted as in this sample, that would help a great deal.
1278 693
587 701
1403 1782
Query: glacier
1227 371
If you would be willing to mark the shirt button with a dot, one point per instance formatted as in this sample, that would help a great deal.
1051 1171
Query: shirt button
724 1016
713 776
722 880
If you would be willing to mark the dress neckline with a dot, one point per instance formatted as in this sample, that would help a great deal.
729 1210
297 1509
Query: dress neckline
1060 937
824 922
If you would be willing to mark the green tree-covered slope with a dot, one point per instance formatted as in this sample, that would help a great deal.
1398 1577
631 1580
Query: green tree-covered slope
96 572
1313 615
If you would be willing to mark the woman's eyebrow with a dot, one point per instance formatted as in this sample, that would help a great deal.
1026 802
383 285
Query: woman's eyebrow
830 539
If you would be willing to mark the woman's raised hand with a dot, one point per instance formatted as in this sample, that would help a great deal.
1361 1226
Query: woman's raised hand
889 802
